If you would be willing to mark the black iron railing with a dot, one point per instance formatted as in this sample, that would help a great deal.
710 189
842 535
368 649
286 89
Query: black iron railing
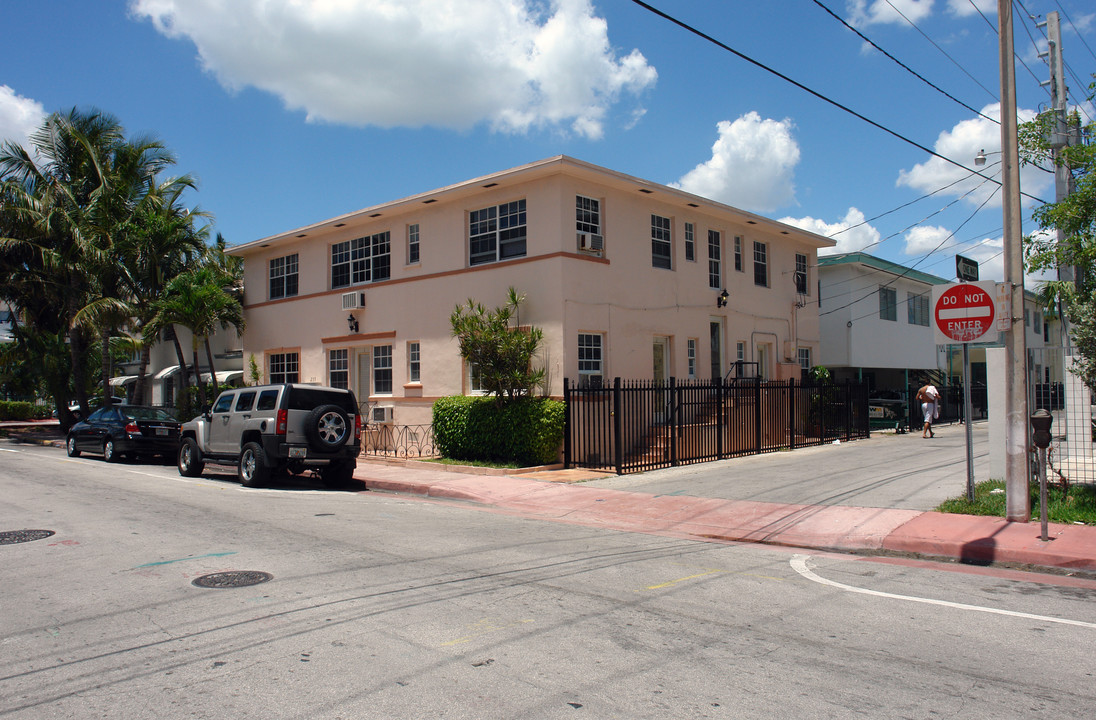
398 441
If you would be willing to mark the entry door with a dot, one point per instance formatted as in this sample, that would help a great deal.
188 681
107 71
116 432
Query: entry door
764 352
716 331
365 372
661 354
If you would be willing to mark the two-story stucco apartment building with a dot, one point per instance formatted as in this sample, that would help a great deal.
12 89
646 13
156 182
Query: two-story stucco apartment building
624 276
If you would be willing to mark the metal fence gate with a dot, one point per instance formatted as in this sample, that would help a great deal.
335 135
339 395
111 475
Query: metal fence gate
638 425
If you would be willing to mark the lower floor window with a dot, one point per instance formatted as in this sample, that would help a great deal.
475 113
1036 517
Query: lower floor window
339 368
382 369
284 368
590 362
805 358
414 366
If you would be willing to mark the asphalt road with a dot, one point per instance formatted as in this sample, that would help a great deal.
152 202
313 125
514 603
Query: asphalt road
885 471
384 606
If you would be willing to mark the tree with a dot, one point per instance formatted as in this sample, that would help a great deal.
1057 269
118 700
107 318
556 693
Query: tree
500 353
1074 218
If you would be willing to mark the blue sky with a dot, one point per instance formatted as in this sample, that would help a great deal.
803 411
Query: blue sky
293 111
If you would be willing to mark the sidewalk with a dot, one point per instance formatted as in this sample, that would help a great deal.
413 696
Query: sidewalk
554 496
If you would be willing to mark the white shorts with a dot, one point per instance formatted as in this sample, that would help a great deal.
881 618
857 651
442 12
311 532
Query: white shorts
928 409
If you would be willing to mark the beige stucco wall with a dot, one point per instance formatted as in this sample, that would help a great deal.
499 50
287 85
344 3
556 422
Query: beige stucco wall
619 295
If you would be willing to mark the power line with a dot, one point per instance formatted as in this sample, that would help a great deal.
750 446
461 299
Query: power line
901 64
1079 36
815 93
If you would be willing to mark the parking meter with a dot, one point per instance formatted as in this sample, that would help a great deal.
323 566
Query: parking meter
1040 424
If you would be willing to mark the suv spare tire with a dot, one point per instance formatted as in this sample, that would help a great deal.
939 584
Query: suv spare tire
327 428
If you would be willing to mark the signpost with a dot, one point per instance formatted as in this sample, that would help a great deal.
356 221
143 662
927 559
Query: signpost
966 269
965 313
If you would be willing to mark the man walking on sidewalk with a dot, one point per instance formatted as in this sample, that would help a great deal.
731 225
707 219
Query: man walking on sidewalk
929 398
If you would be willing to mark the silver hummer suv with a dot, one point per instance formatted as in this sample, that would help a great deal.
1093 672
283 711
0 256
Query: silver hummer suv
268 429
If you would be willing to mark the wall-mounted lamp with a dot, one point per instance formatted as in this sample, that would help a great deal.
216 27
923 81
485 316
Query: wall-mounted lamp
352 323
721 301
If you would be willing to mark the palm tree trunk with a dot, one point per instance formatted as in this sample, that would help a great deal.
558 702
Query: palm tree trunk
201 385
104 339
139 390
181 357
212 370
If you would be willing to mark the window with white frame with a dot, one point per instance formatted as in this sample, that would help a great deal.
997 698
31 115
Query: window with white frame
888 303
338 368
284 368
283 277
497 233
590 360
413 244
761 264
414 363
740 351
738 253
1037 322
690 350
661 242
715 262
361 260
382 369
587 215
690 242
801 273
474 379
917 309
805 358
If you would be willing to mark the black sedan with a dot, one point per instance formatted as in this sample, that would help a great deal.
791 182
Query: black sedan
122 431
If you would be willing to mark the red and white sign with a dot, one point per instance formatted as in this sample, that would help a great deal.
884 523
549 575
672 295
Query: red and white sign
964 312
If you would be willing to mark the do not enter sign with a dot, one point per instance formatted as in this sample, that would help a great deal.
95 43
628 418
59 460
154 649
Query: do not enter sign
963 312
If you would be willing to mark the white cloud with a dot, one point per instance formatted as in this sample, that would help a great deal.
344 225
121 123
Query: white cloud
515 64
851 233
963 8
961 144
752 165
873 12
924 239
19 116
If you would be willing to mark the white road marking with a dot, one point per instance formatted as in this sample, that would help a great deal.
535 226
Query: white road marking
799 564
9 450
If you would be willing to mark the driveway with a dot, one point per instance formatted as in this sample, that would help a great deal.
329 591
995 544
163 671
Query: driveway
886 471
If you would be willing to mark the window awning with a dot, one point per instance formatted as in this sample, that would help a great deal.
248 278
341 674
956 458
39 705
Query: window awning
167 372
223 376
122 380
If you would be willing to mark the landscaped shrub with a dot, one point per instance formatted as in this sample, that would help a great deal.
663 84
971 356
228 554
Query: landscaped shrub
22 410
528 431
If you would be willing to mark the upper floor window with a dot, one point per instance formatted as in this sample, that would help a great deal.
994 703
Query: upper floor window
284 368
660 242
917 310
362 260
804 355
412 244
888 303
738 253
587 215
690 242
1037 323
496 233
801 273
338 371
715 263
761 264
283 277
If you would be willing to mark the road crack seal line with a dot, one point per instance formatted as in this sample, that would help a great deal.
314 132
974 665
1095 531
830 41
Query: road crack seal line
799 564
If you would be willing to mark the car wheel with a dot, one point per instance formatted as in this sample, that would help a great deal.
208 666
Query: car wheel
338 475
327 428
253 470
109 453
70 446
190 462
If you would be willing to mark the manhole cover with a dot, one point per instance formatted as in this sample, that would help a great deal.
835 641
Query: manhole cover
10 537
234 578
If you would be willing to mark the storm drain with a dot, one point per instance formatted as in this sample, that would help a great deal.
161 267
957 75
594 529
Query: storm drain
232 579
10 537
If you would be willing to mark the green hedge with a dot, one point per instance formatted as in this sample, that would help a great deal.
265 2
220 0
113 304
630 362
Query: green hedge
528 431
22 410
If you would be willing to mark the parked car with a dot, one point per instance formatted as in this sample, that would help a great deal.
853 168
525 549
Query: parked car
120 431
268 429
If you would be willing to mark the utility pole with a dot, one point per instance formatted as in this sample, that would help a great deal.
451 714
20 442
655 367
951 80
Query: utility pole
1060 135
1017 454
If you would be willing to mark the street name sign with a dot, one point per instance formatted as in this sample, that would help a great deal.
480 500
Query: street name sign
964 312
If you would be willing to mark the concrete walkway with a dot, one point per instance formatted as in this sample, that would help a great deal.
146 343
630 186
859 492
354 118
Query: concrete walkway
879 469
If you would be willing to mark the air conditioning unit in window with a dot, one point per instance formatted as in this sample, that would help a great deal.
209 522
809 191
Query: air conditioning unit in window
381 415
353 300
589 242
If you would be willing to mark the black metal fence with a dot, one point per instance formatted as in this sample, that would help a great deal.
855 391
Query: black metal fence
638 425
951 405
398 441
